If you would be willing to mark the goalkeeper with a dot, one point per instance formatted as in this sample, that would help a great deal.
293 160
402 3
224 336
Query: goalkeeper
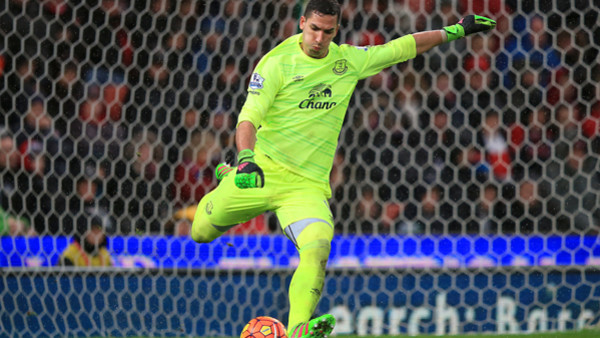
287 136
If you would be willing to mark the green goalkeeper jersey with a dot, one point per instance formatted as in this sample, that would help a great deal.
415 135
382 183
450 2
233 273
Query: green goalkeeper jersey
298 103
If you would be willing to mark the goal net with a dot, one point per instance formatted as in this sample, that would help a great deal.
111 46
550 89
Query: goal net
465 188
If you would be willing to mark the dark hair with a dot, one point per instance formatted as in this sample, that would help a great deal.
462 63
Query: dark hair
326 7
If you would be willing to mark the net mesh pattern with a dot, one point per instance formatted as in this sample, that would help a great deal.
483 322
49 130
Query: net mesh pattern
497 133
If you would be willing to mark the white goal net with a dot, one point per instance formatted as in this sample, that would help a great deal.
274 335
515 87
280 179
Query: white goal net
466 186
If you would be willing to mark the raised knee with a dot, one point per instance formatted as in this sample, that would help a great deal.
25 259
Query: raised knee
201 238
203 231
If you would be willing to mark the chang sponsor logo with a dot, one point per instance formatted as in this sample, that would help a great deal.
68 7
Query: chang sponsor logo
317 98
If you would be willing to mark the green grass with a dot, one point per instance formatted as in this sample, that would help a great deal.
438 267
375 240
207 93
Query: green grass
580 334
570 334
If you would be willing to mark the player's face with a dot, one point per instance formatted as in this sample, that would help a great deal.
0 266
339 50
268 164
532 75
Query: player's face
317 32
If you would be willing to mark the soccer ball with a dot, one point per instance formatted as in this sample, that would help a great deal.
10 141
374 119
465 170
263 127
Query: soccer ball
264 327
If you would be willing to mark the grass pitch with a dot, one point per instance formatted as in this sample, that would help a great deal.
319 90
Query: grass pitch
569 334
579 334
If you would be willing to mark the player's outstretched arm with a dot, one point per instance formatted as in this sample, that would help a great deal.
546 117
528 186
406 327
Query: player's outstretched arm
470 24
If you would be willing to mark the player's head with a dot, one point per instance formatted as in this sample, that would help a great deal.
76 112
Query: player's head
319 24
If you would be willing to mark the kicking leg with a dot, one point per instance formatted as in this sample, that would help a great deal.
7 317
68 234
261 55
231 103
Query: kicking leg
226 206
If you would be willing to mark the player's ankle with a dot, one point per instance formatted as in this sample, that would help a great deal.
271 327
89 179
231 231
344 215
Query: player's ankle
294 330
319 327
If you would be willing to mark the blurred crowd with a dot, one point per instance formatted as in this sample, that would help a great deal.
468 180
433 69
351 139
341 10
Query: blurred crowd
116 112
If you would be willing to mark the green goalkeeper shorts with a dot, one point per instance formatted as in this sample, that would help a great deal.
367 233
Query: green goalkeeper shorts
291 197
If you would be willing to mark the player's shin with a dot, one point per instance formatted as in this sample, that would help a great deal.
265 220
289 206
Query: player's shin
314 245
307 282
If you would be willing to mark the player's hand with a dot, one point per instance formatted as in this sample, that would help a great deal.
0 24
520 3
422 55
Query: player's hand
249 174
468 25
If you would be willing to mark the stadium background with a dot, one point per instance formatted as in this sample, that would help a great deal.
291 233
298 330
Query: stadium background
470 172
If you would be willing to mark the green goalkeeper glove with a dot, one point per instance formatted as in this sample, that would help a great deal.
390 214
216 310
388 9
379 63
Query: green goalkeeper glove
468 25
249 174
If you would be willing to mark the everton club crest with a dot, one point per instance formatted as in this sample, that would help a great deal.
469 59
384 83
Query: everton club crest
340 66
